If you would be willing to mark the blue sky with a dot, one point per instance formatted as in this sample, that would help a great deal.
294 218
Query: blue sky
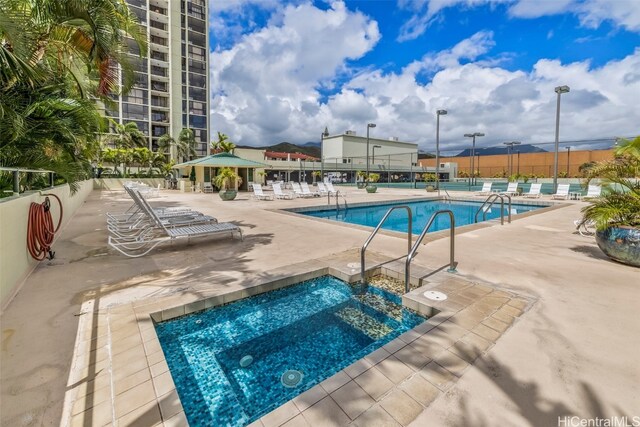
283 70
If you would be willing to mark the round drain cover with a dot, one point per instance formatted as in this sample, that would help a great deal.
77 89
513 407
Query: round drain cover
246 361
353 265
291 378
435 295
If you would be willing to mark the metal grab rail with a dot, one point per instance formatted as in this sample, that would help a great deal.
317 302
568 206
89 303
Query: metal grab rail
414 249
492 198
337 194
374 232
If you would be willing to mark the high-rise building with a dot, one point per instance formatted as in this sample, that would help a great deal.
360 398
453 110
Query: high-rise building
171 83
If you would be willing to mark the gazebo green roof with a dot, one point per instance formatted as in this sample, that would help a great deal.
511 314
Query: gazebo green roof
222 160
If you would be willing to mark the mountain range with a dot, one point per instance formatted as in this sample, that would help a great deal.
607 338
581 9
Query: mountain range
490 151
308 148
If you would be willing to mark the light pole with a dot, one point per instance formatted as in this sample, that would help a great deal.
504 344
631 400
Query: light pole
473 153
373 155
559 90
369 126
323 135
510 154
438 114
568 154
518 172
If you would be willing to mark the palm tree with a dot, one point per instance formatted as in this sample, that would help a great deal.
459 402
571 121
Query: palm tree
126 135
223 144
186 144
165 143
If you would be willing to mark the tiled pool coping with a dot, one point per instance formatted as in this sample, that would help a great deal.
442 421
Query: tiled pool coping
119 373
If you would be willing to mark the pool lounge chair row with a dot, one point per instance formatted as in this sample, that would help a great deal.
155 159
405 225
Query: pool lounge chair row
301 190
534 191
136 234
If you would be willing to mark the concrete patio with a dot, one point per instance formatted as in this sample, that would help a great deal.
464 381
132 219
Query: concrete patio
565 344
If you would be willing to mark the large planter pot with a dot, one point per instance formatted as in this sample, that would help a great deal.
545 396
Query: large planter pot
371 188
621 244
228 194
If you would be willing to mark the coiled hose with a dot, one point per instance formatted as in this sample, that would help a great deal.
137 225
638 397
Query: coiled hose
40 230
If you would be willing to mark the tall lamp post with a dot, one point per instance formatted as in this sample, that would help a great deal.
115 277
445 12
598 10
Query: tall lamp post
369 126
323 135
510 154
473 153
568 154
438 114
373 155
518 172
559 90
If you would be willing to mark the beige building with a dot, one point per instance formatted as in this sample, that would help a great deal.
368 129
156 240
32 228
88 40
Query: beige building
343 155
539 164
171 82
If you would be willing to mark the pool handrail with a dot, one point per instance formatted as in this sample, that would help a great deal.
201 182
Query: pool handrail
492 199
414 249
375 231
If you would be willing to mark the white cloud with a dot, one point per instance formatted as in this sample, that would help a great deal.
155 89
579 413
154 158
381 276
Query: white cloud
266 89
623 13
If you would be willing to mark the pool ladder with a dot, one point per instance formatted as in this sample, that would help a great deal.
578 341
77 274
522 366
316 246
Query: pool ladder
489 202
338 195
412 250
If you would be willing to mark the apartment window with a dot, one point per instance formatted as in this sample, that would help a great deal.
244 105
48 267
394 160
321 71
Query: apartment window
197 80
134 111
159 86
197 39
200 135
136 96
158 40
197 25
133 47
197 108
158 101
198 121
141 80
196 66
159 130
158 55
197 94
197 53
159 71
158 25
142 126
159 116
140 13
158 9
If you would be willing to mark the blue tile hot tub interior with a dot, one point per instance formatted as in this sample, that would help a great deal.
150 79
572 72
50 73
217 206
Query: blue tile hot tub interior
370 215
235 363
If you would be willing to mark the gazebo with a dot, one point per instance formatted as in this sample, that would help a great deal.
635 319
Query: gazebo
207 168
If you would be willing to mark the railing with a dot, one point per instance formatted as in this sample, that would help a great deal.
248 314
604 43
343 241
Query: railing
16 176
489 202
414 249
375 231
337 194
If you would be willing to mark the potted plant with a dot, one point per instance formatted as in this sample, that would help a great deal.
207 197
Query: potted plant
616 212
361 179
371 180
226 181
429 177
192 178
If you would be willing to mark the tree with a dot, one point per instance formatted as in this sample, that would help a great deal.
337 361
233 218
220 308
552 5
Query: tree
126 135
223 144
186 144
165 143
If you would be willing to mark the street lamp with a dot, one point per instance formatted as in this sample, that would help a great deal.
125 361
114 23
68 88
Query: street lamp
373 156
568 154
518 172
369 126
559 90
473 153
438 114
323 135
510 154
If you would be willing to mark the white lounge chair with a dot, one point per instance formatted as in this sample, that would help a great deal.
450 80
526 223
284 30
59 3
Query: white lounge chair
330 187
307 190
153 235
562 192
277 190
322 188
207 187
486 189
534 191
258 194
298 190
512 189
593 192
585 228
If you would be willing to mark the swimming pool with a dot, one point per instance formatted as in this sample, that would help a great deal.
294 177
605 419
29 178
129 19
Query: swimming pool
235 363
370 215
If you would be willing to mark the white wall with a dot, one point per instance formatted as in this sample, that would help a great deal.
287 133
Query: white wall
15 261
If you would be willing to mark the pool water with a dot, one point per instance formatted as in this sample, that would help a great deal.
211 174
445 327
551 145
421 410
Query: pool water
235 363
464 213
